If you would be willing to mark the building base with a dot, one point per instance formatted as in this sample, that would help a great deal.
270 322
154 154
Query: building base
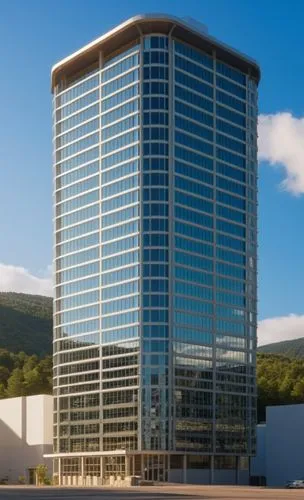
121 468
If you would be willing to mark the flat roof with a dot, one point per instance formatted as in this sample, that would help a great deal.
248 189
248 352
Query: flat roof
146 24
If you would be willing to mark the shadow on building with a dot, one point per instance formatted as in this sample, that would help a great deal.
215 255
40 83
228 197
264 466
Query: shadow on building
24 437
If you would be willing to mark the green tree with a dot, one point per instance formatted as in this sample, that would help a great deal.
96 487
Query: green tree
2 391
6 359
15 384
41 474
4 374
280 380
45 369
32 382
30 362
298 390
21 374
19 359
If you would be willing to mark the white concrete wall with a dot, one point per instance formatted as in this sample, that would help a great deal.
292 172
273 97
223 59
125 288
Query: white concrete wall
258 463
39 413
25 434
48 420
34 420
10 419
284 444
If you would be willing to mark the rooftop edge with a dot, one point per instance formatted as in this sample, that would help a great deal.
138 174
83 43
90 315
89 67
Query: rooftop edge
143 19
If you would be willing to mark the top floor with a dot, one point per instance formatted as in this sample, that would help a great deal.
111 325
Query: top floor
131 30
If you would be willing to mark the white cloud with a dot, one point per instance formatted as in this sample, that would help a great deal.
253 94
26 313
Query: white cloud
18 279
280 328
281 143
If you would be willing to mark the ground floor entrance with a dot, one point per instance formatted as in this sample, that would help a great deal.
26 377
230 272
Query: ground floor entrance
32 475
110 470
155 468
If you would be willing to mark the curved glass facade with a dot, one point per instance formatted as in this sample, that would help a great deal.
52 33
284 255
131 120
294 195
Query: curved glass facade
155 179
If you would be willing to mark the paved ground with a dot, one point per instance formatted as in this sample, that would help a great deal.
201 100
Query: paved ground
150 493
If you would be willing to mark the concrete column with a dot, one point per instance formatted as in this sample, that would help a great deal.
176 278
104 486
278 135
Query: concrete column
101 470
212 469
168 466
127 466
184 468
59 471
82 471
237 465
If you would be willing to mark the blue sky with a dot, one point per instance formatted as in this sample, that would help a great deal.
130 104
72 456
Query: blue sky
36 34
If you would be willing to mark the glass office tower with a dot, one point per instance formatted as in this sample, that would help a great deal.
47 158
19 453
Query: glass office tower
155 251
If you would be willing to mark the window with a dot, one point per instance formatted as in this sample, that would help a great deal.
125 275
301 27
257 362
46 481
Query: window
193 113
194 217
193 187
200 278
193 261
183 288
193 202
120 82
193 143
194 246
75 189
74 217
193 83
194 54
116 99
233 243
194 69
230 87
194 99
76 175
195 173
193 232
228 227
77 90
192 157
122 126
82 102
78 160
114 65
120 186
230 72
118 113
85 129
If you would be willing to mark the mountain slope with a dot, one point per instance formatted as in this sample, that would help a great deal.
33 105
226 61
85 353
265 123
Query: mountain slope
26 323
280 381
290 348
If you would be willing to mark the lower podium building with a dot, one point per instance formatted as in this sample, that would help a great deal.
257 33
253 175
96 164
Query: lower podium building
280 447
25 436
155 241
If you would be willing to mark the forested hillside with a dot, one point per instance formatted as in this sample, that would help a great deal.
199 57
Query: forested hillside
26 323
23 375
25 344
291 348
280 381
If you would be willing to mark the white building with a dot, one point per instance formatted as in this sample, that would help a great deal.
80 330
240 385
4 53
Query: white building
25 436
280 446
